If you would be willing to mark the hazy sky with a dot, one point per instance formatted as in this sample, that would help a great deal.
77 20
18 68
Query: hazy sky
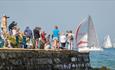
65 13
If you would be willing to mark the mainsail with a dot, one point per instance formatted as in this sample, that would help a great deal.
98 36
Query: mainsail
92 35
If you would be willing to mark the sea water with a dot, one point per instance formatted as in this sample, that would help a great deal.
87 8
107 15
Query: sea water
103 58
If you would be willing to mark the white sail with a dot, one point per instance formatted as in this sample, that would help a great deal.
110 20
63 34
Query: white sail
92 36
86 36
107 42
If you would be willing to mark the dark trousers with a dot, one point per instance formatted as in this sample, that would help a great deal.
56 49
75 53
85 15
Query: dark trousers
63 45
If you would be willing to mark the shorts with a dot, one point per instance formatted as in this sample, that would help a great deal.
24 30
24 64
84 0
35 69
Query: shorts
55 38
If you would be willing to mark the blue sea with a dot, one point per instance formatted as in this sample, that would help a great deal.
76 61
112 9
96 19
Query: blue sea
104 58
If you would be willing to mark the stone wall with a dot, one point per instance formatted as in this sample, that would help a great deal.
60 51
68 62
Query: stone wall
37 59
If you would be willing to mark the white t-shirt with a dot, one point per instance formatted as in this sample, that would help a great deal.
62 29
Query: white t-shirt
62 38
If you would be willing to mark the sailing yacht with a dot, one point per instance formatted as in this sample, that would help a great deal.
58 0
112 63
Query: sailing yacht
107 42
86 37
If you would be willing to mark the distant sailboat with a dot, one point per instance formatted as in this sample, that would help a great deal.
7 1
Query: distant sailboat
86 37
107 42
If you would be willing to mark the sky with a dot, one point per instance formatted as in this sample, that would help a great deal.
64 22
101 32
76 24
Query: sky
67 14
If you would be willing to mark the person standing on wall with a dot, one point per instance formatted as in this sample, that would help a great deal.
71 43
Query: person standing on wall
63 40
56 37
